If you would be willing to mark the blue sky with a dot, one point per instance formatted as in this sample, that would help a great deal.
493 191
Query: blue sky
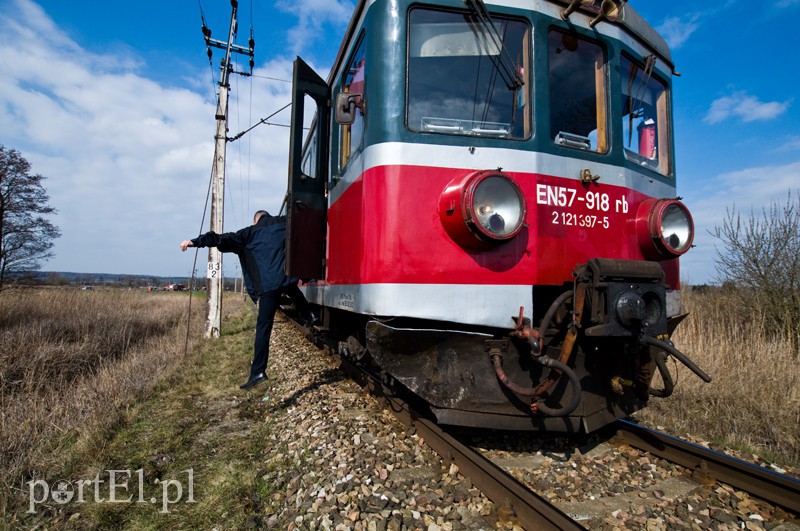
114 103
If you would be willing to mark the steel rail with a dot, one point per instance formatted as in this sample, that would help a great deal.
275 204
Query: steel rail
531 511
761 482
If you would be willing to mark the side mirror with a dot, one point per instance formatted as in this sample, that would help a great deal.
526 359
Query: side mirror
346 104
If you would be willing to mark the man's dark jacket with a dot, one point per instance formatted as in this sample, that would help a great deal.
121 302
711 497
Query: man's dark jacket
261 250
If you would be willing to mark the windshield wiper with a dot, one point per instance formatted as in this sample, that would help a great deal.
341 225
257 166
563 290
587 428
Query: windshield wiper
504 64
636 94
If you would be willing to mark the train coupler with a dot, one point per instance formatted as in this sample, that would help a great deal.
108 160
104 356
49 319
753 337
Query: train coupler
626 298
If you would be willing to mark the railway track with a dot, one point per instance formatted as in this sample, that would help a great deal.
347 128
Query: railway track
527 508
533 511
524 506
708 464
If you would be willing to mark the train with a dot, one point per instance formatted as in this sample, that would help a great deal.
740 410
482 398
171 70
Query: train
482 208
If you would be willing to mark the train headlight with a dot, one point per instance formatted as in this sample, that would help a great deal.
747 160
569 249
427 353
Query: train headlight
665 228
496 207
482 208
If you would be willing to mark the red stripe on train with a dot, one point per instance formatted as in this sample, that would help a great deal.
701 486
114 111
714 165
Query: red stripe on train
385 228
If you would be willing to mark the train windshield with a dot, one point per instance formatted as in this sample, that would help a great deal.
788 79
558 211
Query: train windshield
577 74
456 79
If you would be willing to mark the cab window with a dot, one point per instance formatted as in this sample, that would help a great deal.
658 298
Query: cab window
353 82
465 79
644 115
309 160
578 102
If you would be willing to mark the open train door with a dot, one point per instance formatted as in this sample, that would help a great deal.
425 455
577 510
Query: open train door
308 175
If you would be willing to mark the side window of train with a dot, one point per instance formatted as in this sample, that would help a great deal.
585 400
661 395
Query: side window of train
578 92
645 114
309 164
353 82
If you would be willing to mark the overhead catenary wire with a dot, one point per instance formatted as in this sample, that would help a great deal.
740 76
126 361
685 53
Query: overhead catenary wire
272 78
207 31
238 154
250 117
250 120
261 121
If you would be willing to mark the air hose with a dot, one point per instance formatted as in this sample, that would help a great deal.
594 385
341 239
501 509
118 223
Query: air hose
667 347
548 317
497 361
669 385
534 339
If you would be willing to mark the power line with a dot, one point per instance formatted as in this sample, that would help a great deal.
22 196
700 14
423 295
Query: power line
261 121
271 78
208 50
250 119
192 282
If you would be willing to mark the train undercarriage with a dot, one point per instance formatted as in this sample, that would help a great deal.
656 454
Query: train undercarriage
589 360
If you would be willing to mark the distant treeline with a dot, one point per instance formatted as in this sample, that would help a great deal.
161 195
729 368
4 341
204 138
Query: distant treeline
59 278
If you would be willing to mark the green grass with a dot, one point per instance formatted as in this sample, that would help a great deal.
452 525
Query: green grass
198 420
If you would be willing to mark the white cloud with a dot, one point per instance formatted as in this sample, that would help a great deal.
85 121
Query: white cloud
676 31
127 159
788 3
748 191
312 16
792 144
745 107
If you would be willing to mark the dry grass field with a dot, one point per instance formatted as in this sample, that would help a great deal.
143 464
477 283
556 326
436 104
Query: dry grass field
753 402
71 363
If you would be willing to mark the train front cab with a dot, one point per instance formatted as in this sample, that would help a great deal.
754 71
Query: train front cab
424 105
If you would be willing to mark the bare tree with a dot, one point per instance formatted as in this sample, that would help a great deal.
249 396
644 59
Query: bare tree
760 259
26 237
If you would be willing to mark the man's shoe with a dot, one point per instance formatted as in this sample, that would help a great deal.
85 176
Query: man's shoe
254 380
312 320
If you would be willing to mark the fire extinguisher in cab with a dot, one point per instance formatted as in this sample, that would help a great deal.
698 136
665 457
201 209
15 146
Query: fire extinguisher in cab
647 138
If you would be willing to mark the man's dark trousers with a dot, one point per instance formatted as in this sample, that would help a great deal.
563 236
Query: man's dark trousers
267 306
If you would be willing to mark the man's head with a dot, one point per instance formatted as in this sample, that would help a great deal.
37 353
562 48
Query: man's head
258 215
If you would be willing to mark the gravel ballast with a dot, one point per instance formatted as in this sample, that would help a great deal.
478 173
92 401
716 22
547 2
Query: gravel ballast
338 460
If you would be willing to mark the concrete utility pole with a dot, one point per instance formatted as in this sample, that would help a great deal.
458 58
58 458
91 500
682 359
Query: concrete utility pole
214 281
